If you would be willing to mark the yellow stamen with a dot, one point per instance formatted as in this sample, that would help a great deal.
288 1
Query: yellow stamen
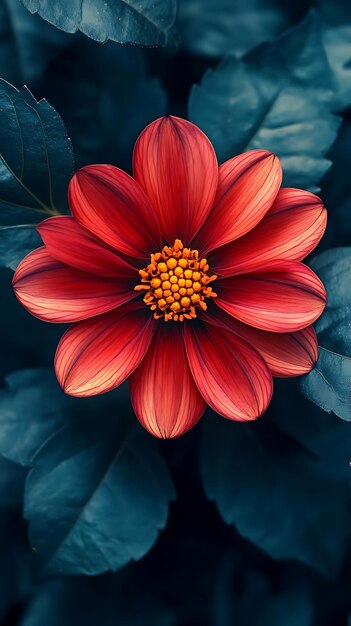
177 283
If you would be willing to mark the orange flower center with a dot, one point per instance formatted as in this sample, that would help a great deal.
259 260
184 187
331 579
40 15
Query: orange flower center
177 283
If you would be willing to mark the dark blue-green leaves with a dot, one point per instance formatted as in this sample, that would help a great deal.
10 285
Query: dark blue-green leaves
97 493
35 156
278 98
96 498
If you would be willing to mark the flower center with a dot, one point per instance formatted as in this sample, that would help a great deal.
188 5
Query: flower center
176 282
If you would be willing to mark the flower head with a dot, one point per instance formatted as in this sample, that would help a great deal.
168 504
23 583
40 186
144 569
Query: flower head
185 278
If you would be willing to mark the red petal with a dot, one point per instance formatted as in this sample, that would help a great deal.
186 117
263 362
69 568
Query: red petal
69 242
176 165
247 187
285 297
110 204
231 376
290 230
164 395
57 293
286 354
97 355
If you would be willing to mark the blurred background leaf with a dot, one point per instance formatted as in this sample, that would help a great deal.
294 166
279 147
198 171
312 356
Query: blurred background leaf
111 599
290 606
16 581
12 477
27 44
211 27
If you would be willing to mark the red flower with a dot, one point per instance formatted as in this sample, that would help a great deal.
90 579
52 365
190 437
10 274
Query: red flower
225 272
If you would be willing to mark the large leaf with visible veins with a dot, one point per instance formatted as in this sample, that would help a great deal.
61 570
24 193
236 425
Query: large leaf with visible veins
278 98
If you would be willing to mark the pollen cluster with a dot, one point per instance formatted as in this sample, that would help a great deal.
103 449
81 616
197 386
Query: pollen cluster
176 283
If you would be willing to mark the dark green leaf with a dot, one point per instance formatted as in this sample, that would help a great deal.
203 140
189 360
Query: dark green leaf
329 384
96 498
280 497
126 21
32 408
278 99
36 163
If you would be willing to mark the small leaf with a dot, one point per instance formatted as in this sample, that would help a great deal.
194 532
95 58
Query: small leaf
32 408
126 21
282 498
328 385
278 99
96 498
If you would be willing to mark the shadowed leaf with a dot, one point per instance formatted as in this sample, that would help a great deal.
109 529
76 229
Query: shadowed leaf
277 495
